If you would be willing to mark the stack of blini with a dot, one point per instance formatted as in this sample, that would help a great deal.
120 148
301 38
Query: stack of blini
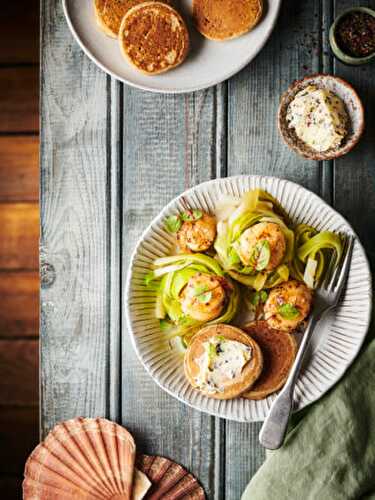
153 36
95 458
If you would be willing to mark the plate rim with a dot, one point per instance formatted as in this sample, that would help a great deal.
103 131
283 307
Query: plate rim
330 384
184 90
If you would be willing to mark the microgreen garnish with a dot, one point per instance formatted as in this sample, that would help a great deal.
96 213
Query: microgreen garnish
211 351
192 215
173 223
288 311
220 338
202 293
199 289
204 298
261 255
259 298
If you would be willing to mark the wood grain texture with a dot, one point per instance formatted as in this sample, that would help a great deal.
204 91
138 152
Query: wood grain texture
19 243
19 111
112 157
255 147
19 361
19 435
19 304
19 168
169 145
74 229
19 26
354 174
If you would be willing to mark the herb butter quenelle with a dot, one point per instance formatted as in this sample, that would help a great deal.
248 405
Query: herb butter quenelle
319 118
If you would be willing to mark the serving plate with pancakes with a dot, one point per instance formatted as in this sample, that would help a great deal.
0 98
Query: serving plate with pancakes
215 52
336 341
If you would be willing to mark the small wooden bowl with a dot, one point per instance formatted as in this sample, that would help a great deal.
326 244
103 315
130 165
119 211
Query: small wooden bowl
353 106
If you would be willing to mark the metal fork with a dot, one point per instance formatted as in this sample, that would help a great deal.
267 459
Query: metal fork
326 297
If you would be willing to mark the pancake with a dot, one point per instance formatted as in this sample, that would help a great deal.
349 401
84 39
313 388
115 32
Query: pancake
225 19
279 351
249 373
153 37
110 13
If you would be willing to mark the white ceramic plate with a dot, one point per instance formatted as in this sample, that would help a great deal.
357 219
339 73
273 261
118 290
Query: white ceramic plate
207 64
337 338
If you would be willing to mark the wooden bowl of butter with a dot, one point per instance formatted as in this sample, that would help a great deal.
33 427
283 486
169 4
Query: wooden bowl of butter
321 117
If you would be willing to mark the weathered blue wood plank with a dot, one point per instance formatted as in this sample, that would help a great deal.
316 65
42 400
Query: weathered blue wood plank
75 230
168 146
255 147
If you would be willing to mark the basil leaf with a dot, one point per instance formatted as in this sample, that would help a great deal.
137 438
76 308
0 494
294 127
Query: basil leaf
204 298
197 214
263 251
187 216
173 223
199 289
263 296
288 311
192 215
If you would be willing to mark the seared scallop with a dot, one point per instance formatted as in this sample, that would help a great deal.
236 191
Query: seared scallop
287 305
263 231
203 297
197 235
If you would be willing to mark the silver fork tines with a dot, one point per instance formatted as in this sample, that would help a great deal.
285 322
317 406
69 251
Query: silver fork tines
326 297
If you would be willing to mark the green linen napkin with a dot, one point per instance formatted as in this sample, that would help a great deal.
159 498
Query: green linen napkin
330 452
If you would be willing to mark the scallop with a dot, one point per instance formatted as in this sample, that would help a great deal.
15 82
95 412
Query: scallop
203 297
288 305
263 231
197 235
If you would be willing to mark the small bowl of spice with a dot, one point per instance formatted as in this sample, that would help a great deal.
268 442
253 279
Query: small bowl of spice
352 36
321 117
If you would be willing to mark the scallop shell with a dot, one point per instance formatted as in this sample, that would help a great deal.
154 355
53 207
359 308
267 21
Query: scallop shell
82 458
169 480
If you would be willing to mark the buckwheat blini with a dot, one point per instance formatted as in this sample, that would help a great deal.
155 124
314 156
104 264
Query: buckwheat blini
153 37
225 19
110 13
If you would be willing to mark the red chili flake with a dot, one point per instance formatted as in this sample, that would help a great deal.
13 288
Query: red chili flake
355 34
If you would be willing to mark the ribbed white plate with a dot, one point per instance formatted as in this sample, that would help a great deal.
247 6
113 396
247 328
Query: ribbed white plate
207 63
336 340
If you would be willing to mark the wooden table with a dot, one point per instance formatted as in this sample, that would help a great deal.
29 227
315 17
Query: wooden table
111 158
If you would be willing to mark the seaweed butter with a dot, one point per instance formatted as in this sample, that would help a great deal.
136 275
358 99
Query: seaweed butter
318 117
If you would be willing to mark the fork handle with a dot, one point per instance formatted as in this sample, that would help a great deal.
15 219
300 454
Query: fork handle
274 429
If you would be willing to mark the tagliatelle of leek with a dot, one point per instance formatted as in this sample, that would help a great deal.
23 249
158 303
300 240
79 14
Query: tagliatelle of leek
178 270
256 206
307 256
312 252
196 258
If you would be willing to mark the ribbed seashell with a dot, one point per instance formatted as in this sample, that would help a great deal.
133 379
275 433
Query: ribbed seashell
83 458
169 480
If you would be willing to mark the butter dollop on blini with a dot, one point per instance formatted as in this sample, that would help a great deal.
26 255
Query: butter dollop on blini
318 117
